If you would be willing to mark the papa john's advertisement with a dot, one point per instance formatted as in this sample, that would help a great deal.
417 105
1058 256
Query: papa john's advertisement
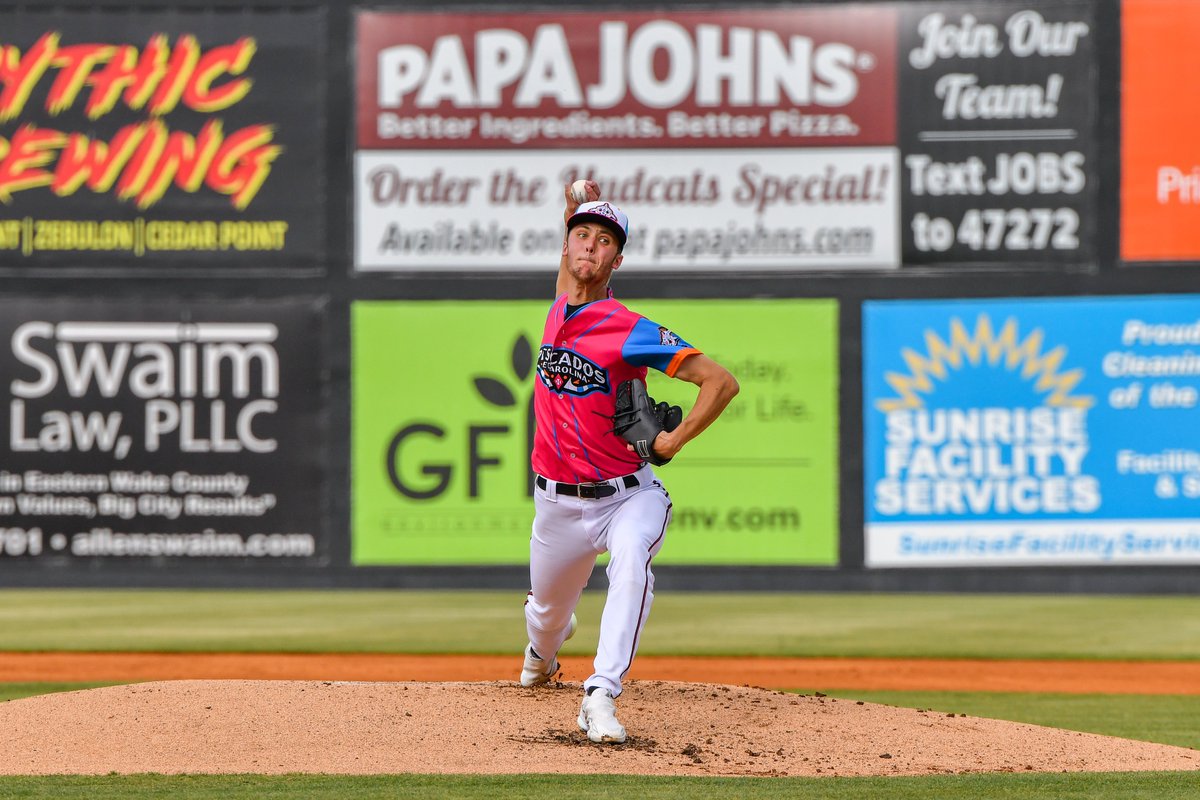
734 138
1031 432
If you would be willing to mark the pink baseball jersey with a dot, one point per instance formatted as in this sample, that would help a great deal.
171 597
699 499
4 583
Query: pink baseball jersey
581 363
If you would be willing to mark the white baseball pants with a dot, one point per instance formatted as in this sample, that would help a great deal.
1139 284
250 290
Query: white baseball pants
568 534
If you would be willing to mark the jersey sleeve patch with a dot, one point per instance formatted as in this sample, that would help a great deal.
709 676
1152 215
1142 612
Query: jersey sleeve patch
651 345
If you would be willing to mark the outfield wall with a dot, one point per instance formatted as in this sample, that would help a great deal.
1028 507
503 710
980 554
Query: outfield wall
274 277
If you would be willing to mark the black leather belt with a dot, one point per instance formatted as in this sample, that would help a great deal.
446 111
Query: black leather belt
589 491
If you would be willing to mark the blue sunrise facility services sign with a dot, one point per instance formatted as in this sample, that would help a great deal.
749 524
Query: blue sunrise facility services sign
1032 432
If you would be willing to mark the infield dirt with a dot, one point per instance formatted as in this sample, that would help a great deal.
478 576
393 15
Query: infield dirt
885 674
383 713
339 727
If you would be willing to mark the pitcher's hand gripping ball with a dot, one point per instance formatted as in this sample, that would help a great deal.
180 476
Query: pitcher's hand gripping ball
638 420
579 191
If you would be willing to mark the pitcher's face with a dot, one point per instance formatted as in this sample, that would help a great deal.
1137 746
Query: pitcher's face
592 253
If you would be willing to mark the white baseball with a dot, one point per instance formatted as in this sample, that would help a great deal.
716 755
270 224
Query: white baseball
579 191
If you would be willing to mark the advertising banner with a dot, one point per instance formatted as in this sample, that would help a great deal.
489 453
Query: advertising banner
441 434
1032 432
166 431
732 138
662 234
1160 160
151 140
998 132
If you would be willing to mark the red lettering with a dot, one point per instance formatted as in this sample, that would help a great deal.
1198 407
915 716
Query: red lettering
75 63
179 70
185 159
143 161
243 163
19 75
29 149
232 59
156 79
150 70
98 163
108 81
145 156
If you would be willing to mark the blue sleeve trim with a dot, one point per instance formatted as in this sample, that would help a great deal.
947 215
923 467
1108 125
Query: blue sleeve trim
651 345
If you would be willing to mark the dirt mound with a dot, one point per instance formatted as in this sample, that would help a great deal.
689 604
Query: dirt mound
271 727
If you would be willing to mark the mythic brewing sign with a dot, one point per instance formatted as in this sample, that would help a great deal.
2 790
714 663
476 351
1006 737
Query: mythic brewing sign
159 139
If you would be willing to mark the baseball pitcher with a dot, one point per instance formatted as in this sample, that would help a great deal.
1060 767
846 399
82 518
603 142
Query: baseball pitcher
598 436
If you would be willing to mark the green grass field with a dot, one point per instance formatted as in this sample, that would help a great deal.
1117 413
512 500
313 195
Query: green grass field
901 626
910 626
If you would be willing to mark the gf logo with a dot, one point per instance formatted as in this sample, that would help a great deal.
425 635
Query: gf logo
439 475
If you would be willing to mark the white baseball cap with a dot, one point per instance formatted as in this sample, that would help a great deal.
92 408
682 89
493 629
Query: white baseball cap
605 214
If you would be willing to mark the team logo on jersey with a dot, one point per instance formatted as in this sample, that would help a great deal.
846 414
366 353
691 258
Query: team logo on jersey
566 372
666 338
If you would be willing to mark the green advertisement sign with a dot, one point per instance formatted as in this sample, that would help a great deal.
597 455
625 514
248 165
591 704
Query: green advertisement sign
442 425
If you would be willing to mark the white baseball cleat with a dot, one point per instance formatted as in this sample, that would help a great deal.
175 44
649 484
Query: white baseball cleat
537 671
598 717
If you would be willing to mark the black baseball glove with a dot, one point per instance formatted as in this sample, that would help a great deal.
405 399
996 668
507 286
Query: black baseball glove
638 419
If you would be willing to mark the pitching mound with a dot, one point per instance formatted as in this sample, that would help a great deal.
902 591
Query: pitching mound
270 727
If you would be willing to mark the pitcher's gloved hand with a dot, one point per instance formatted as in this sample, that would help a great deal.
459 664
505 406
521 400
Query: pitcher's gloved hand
639 419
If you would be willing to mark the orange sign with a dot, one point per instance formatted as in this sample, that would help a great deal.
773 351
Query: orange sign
1160 131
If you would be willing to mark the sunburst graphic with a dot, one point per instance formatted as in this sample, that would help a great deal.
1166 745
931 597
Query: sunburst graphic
967 348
